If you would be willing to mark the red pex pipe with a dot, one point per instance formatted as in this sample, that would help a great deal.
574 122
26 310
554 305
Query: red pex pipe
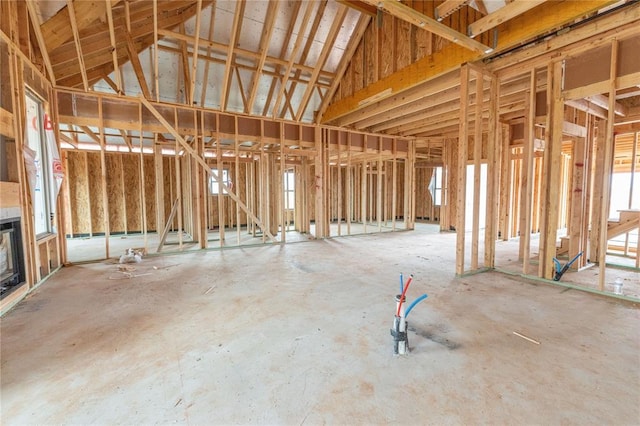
406 287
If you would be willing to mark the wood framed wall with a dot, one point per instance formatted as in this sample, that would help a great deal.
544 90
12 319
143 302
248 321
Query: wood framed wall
43 254
329 164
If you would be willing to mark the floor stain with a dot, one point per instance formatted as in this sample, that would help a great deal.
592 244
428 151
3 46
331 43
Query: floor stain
436 338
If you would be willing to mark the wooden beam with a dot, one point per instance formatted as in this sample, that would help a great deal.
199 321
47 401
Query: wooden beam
194 62
205 78
493 175
505 13
114 51
226 82
406 13
552 171
294 54
295 12
477 157
33 15
461 170
155 47
56 29
481 7
603 102
186 71
137 66
360 6
448 8
527 175
91 134
203 163
608 159
76 39
272 11
347 57
326 49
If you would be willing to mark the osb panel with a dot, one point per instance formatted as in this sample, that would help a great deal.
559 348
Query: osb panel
150 192
115 194
79 192
170 191
404 33
12 162
597 61
370 59
628 58
132 192
95 191
387 46
357 65
346 83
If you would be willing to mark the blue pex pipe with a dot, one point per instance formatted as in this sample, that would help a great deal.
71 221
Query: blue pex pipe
414 303
401 283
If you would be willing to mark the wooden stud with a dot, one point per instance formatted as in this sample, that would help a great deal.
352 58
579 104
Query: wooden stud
552 170
462 170
527 174
608 158
220 194
236 143
282 175
103 175
379 186
493 174
477 154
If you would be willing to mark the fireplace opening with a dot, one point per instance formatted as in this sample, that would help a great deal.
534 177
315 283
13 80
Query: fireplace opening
11 256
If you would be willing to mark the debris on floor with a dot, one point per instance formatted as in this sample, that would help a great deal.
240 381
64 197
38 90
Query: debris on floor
131 256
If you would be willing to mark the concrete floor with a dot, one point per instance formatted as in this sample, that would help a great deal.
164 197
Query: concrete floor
299 334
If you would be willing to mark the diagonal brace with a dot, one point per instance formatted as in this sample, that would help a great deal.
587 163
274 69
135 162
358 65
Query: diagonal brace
200 160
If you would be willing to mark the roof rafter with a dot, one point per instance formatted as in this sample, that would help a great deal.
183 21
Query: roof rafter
283 51
263 50
294 54
76 39
328 45
205 78
307 48
194 63
357 35
235 30
40 39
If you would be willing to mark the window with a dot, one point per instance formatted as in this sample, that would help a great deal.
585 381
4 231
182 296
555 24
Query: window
214 187
38 165
436 186
289 190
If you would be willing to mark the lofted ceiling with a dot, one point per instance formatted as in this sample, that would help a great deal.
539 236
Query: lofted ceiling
280 59
276 59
